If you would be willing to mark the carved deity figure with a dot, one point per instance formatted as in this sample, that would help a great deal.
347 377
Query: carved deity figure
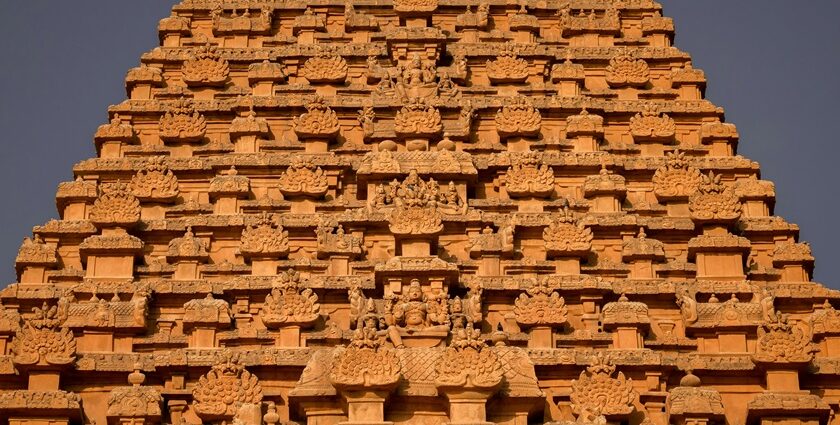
416 313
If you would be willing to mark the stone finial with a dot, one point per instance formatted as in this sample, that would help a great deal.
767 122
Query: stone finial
207 311
187 247
249 125
230 183
136 400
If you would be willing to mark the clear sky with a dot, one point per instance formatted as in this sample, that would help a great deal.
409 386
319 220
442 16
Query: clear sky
773 64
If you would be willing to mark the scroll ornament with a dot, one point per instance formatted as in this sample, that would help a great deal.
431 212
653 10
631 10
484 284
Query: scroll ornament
564 237
182 123
625 70
596 392
319 121
783 342
518 118
325 67
206 68
116 206
714 201
405 6
507 68
468 363
541 306
651 125
418 119
226 387
42 341
289 304
365 364
155 182
303 178
677 179
529 176
264 238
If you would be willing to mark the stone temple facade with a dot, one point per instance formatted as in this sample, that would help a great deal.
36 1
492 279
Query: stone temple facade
417 212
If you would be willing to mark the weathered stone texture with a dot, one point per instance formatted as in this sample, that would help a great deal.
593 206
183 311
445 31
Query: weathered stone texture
417 211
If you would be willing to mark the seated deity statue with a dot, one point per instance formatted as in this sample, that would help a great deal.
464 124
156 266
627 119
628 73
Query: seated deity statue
417 315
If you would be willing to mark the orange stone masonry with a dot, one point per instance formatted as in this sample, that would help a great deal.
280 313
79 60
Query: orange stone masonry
417 212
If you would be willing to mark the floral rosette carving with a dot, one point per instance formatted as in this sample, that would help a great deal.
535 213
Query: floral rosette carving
714 201
518 118
325 67
182 123
289 304
365 364
407 6
227 386
116 206
42 341
529 176
540 306
565 238
156 182
597 393
264 239
783 342
468 363
303 178
507 68
319 121
418 119
677 179
624 70
206 68
650 125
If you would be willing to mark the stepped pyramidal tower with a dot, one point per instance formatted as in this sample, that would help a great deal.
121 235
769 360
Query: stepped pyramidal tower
417 212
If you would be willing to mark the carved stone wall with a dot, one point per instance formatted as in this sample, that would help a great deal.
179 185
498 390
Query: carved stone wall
417 211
